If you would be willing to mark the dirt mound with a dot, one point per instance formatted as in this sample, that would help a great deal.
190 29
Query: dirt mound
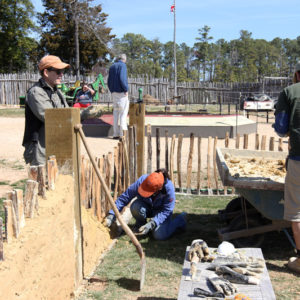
148 99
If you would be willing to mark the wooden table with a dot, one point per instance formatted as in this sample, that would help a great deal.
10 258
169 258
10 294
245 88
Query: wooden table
256 292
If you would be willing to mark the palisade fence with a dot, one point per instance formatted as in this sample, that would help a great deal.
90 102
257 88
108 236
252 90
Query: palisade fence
12 86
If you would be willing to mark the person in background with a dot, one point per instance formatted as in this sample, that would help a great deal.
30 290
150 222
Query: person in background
118 86
41 96
153 208
84 97
287 123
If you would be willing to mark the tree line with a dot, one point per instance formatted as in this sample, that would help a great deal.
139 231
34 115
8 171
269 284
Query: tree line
76 31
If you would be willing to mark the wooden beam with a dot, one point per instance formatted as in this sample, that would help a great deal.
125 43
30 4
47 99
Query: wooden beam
179 148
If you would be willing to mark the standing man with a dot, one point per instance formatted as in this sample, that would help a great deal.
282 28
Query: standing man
287 123
118 86
41 96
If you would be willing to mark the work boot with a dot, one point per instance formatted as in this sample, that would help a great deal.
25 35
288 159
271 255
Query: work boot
294 264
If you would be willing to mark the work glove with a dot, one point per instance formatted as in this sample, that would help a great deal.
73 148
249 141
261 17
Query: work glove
203 293
147 227
222 285
109 220
199 252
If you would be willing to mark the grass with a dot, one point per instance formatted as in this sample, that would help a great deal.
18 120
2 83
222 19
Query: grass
12 112
120 270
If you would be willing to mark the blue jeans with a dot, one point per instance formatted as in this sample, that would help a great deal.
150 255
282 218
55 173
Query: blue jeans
141 211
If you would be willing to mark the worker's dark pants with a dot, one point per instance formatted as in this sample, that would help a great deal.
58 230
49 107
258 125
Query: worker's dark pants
141 211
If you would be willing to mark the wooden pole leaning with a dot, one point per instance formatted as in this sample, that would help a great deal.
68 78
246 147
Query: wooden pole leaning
128 231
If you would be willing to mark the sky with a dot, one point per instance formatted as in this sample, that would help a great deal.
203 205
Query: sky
265 19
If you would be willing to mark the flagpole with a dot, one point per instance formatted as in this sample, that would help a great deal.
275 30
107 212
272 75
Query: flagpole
175 63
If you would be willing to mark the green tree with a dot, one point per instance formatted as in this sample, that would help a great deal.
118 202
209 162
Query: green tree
16 25
59 36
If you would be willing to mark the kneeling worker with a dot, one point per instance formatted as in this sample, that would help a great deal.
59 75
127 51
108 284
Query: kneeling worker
155 201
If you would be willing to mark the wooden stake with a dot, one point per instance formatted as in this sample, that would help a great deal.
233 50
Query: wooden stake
135 170
108 178
82 182
199 167
1 240
189 165
172 158
157 148
149 149
166 150
51 174
126 166
208 165
131 153
179 147
11 221
98 195
42 181
263 142
116 176
20 207
31 190
237 141
215 164
227 139
280 145
245 141
256 141
272 141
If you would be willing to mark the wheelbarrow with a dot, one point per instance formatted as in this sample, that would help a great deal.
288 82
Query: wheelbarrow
260 205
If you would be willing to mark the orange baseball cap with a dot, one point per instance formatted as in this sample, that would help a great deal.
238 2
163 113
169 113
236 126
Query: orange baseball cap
153 183
52 61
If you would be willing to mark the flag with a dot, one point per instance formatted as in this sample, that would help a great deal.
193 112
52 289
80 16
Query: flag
172 8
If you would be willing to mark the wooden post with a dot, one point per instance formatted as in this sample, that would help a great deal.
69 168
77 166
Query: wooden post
199 167
135 169
18 198
172 158
137 117
131 154
11 221
102 204
263 142
157 148
108 177
98 195
245 141
227 139
82 181
166 150
1 240
120 168
42 181
149 148
190 164
256 141
237 141
51 174
31 190
280 145
126 166
208 166
272 141
116 172
215 164
179 147
63 142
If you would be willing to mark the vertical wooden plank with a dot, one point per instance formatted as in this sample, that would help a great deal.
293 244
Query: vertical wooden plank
108 177
215 164
135 153
1 240
199 167
126 164
208 165
137 117
116 172
98 195
87 183
82 182
131 153
157 148
10 221
149 149
172 158
102 205
166 150
280 145
179 147
189 164
227 139
245 141
263 142
272 142
93 187
42 181
237 141
120 168
51 174
20 207
256 141
31 190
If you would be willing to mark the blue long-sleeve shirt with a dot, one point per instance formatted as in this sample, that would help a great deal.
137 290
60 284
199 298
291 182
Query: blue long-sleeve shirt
117 78
162 205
